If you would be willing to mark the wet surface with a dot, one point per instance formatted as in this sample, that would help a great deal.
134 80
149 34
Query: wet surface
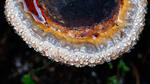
76 13
17 59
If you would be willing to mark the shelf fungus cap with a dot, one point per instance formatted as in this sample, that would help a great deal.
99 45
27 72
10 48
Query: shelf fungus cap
78 32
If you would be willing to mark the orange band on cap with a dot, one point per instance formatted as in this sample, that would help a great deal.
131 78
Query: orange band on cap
94 35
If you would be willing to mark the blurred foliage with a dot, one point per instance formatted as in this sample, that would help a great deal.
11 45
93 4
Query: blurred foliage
110 65
26 79
112 80
40 68
122 68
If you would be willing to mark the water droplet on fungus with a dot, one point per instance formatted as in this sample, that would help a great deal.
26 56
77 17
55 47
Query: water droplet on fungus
78 32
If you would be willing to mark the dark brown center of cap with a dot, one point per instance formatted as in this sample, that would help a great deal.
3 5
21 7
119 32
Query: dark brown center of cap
77 13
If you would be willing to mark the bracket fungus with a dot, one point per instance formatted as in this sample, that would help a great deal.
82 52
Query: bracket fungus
78 32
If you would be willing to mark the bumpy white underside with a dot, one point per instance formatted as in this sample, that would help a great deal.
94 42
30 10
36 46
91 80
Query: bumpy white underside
78 54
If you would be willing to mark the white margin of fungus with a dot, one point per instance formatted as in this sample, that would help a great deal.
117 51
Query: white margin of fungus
114 47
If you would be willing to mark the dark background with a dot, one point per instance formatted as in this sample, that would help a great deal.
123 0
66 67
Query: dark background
20 64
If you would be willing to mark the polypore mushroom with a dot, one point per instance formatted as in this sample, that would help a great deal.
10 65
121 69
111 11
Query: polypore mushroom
78 32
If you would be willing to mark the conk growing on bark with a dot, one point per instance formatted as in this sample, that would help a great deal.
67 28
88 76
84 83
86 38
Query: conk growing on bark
78 32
